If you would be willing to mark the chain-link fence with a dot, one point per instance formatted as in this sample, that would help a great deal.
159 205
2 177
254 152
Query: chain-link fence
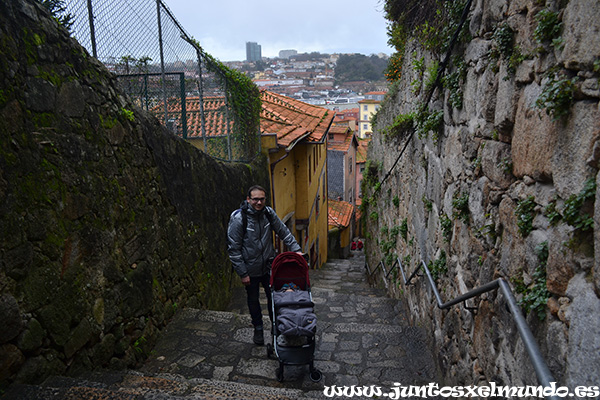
166 72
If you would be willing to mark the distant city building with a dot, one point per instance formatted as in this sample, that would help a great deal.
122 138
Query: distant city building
287 53
253 52
366 109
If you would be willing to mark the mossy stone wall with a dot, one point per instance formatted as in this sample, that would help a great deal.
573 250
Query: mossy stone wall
108 223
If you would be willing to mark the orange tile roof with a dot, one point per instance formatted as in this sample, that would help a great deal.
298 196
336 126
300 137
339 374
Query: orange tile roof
361 152
293 120
370 101
341 145
214 110
290 119
340 213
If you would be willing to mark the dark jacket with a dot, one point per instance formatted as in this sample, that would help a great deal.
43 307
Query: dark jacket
251 252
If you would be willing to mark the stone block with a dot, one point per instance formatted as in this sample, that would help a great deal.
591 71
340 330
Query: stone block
534 138
581 46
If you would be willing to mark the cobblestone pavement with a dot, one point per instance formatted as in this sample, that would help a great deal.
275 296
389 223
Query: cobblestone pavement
363 339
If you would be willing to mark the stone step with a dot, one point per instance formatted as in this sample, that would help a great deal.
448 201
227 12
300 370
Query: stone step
363 339
133 385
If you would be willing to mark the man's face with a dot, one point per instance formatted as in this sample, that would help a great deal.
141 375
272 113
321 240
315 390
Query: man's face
257 199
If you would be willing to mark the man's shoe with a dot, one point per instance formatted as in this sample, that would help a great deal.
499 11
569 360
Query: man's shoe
258 336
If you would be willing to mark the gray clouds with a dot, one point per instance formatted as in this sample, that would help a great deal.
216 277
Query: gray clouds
328 26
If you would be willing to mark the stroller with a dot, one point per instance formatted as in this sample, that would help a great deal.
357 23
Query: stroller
294 322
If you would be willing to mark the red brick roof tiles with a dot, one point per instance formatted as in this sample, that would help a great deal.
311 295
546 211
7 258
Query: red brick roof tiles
340 213
361 152
290 119
293 120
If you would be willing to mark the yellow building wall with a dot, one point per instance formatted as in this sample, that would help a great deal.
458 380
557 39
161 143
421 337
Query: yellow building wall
372 107
283 181
297 179
317 200
345 237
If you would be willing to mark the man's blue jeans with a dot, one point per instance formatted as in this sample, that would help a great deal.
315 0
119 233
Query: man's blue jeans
253 292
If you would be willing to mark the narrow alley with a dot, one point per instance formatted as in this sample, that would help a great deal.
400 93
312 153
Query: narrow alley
363 339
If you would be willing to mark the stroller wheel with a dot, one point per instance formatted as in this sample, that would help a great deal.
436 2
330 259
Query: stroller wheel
315 375
269 350
280 373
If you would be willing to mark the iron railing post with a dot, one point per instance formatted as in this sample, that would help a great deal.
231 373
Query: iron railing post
542 371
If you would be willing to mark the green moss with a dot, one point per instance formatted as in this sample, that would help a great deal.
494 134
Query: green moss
107 123
43 120
51 77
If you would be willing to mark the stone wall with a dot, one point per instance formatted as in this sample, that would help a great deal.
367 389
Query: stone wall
481 199
108 224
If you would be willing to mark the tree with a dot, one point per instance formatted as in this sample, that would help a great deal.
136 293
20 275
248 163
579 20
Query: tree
358 67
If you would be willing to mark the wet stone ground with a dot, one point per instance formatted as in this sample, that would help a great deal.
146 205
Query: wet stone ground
363 339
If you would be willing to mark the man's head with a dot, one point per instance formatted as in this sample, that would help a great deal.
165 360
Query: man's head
257 197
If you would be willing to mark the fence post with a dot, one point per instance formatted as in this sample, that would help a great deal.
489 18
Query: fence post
201 100
183 105
92 29
162 61
227 124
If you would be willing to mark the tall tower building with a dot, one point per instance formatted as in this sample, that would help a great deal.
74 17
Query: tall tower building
253 51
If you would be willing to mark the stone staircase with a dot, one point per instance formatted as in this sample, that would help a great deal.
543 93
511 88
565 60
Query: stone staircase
363 339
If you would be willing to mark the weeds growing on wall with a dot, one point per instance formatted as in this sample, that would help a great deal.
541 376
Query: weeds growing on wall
460 205
446 226
431 22
504 48
525 213
575 212
557 95
438 267
535 296
548 29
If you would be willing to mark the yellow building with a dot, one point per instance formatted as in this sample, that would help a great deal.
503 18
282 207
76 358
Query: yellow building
294 135
367 108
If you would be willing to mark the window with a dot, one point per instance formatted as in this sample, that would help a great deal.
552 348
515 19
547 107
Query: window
365 107
309 171
365 127
350 165
365 117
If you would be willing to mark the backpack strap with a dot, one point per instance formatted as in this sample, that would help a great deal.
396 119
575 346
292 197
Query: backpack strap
245 219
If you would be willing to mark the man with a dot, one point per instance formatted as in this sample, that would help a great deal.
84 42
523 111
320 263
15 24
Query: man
251 250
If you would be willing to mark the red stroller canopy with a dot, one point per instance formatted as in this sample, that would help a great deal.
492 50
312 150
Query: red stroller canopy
289 267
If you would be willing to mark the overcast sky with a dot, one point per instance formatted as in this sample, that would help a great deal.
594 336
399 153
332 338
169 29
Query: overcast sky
327 26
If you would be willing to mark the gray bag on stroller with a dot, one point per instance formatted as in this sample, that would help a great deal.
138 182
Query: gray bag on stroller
295 315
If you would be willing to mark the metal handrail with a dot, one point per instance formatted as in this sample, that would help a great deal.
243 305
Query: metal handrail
533 351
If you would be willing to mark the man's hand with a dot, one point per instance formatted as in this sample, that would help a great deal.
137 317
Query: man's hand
246 280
